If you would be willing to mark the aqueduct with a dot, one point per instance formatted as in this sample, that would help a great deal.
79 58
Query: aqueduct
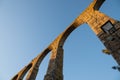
106 28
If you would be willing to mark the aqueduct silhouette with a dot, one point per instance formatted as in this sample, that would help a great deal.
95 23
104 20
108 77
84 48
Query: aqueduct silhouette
96 20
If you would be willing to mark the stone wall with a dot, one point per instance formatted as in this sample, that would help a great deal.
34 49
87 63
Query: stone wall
112 41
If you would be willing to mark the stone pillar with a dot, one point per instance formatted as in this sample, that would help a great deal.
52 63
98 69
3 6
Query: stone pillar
112 41
55 68
108 31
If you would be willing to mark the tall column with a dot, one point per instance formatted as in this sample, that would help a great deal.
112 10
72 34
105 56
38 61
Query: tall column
55 68
111 40
108 31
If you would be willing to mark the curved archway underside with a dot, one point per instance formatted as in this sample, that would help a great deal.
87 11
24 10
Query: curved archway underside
96 20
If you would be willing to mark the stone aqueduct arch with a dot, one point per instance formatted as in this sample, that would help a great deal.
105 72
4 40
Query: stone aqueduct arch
95 20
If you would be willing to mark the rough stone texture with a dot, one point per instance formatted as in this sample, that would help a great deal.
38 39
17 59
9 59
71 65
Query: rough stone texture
55 68
32 68
96 20
112 41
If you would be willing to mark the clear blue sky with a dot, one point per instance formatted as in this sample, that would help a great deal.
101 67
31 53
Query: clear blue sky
29 26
